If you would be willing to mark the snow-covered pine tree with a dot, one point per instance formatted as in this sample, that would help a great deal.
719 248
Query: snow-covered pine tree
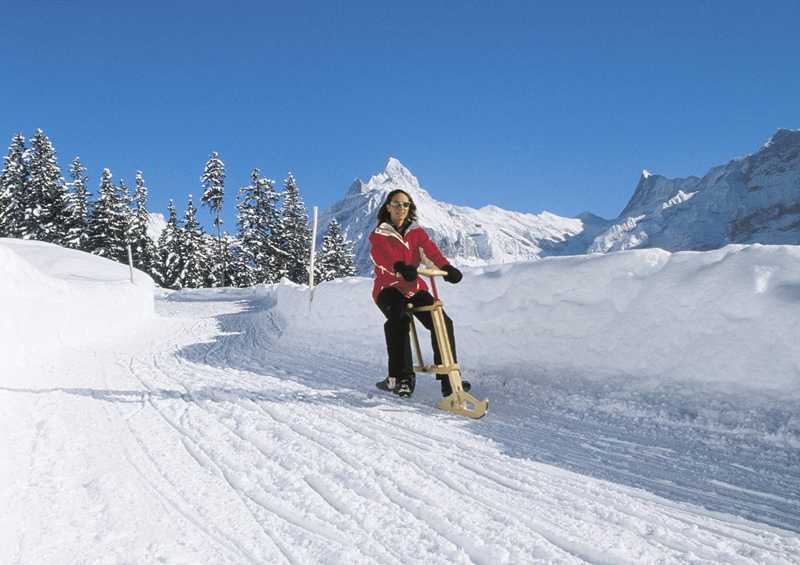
123 194
213 181
142 245
45 200
335 259
260 226
236 271
295 238
77 236
168 261
13 183
108 221
194 261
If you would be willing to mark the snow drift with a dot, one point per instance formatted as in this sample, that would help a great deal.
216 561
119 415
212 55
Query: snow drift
726 319
55 298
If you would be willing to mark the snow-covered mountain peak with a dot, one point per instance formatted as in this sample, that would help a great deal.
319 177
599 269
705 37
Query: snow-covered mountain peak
784 137
750 199
396 174
465 235
650 191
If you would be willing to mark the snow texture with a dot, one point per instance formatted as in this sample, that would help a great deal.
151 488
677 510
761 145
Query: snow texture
56 299
644 410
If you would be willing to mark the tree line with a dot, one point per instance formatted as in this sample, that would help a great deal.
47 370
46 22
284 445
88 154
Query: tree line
273 239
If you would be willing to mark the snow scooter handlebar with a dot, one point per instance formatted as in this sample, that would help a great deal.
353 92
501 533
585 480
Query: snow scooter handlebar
431 272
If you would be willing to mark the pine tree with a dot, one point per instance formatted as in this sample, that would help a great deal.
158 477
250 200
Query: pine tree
142 245
237 272
295 238
168 262
13 183
108 221
124 198
213 181
260 226
194 271
77 232
45 200
335 259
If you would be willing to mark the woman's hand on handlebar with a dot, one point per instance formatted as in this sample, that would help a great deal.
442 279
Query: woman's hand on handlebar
453 275
408 272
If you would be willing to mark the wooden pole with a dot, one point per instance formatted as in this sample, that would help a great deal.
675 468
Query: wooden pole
313 253
130 261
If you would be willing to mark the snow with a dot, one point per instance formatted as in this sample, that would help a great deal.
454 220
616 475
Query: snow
644 315
156 225
644 410
467 236
679 198
55 299
751 199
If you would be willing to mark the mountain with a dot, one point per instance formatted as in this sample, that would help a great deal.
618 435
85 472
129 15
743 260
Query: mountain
752 199
467 236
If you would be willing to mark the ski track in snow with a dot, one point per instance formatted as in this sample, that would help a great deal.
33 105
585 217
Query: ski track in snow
246 448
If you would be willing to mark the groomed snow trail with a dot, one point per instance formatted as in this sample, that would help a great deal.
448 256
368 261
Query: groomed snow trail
195 446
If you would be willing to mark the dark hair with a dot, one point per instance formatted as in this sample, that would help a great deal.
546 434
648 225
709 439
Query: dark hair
383 215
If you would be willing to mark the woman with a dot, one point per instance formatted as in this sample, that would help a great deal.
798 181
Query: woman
398 246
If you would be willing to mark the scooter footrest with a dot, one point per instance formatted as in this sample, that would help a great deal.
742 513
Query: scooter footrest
464 404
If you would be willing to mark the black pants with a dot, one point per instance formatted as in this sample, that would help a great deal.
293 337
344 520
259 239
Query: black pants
398 324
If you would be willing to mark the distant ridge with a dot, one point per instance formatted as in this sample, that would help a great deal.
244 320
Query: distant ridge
752 199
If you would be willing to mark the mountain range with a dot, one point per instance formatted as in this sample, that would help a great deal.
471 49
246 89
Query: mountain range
751 199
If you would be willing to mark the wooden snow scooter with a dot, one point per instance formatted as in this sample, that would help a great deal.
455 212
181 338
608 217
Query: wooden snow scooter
459 402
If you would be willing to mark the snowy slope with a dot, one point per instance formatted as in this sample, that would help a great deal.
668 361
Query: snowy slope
55 298
644 410
724 319
750 199
466 236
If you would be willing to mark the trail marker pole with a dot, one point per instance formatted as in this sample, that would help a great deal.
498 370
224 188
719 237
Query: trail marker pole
130 262
313 253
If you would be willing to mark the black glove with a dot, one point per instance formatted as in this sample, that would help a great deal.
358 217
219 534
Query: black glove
453 275
409 272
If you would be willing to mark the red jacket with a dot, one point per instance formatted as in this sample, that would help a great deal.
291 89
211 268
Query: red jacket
389 247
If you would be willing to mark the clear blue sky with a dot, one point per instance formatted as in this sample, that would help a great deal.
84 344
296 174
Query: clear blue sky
527 105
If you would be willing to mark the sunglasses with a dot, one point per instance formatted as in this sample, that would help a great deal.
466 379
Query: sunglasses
396 204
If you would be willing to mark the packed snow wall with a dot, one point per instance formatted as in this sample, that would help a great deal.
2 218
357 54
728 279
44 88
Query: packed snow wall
728 318
54 299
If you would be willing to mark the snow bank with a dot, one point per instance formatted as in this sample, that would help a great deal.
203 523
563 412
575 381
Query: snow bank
54 298
728 318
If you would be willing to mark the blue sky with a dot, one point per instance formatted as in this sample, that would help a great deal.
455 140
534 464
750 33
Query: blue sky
527 105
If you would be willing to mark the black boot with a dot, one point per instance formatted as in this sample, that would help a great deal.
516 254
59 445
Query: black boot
405 385
389 384
447 390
